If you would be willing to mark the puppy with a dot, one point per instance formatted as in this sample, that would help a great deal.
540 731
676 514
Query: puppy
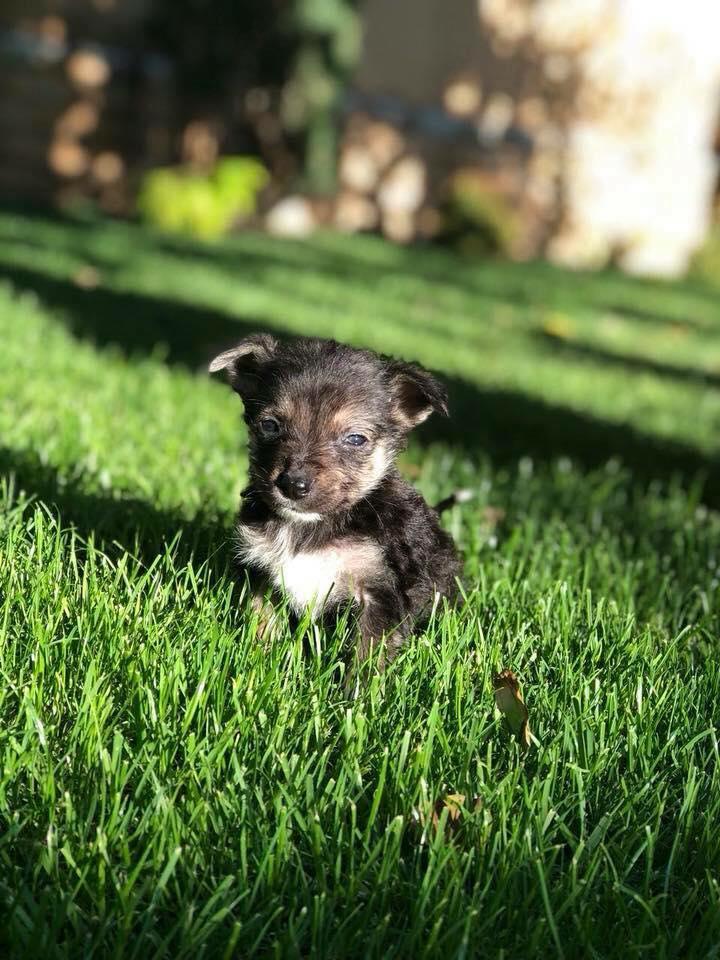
326 516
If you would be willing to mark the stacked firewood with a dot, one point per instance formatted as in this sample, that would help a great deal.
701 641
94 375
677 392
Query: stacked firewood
383 183
79 121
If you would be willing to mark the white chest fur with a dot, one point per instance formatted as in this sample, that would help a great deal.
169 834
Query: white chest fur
335 572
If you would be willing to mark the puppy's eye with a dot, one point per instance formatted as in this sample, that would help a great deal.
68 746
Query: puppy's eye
355 439
269 428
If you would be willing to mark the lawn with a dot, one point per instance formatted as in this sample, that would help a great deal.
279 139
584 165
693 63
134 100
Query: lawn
170 788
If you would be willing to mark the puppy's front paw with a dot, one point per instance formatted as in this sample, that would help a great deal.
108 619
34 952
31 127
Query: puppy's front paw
371 655
268 627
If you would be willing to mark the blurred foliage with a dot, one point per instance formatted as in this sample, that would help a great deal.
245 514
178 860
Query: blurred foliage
220 47
301 51
331 39
706 262
476 218
202 205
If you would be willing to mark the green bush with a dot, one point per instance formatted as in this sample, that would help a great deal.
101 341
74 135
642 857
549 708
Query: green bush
202 205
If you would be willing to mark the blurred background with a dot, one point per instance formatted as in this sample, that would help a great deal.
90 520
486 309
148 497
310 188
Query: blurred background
584 131
521 195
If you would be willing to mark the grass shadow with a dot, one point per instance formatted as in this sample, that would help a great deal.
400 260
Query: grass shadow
136 323
502 424
587 351
535 284
120 525
508 425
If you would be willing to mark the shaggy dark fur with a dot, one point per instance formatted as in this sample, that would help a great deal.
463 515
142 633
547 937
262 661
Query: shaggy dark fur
326 515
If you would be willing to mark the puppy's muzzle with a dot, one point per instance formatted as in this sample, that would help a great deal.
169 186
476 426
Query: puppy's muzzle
295 484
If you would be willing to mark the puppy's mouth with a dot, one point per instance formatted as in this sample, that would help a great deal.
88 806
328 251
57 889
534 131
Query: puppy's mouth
299 516
294 511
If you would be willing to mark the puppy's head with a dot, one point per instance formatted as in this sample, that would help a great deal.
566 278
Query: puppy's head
325 421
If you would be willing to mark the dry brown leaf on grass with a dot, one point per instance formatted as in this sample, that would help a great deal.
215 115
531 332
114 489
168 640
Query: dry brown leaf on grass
86 277
509 701
457 806
558 325
492 516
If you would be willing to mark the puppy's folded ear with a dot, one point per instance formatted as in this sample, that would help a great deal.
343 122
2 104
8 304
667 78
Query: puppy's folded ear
243 363
415 394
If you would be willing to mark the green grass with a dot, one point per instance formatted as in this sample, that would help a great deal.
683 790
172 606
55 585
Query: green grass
170 788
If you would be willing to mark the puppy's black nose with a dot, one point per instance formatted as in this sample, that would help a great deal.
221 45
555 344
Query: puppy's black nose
294 484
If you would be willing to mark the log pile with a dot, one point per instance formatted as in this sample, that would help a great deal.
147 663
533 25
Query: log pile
398 180
618 102
79 121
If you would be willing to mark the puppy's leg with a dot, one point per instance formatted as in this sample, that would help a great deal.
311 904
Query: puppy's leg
260 604
381 617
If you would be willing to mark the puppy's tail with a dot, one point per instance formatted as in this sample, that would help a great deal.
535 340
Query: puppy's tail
458 497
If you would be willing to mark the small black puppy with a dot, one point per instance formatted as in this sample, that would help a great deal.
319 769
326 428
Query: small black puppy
326 515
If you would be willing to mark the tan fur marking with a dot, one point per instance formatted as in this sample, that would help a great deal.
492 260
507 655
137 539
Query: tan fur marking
375 469
347 417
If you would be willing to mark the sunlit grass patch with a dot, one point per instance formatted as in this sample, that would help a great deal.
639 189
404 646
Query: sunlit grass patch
171 787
